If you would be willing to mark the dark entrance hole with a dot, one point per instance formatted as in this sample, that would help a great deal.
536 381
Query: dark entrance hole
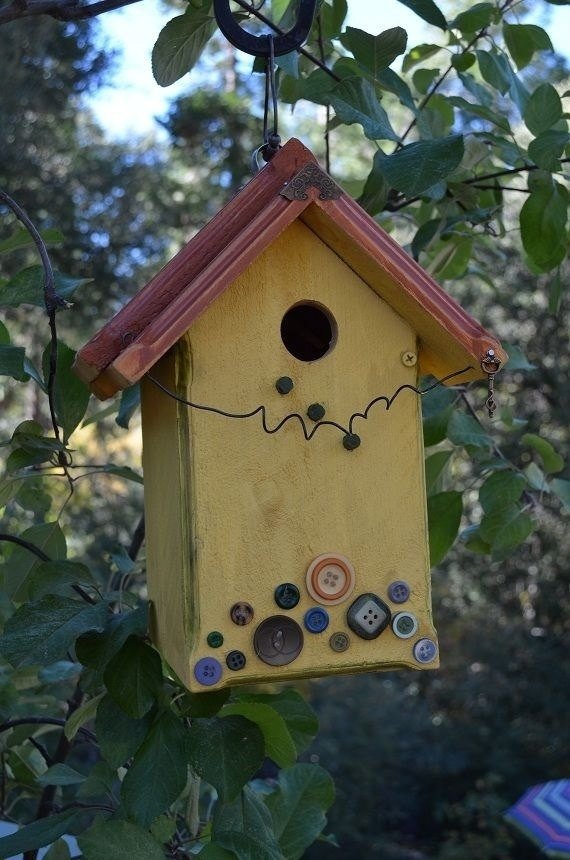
308 331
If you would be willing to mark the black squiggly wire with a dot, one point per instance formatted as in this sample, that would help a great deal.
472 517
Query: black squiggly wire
308 434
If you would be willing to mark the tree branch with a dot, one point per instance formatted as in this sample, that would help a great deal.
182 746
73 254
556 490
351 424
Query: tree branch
44 721
62 10
31 547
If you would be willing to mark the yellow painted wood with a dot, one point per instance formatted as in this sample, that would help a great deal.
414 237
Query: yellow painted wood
233 512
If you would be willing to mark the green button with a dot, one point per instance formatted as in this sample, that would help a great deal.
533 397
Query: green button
215 639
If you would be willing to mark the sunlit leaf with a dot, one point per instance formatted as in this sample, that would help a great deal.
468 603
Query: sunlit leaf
180 44
444 518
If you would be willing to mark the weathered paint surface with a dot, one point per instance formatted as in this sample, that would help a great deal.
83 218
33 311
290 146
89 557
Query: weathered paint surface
233 512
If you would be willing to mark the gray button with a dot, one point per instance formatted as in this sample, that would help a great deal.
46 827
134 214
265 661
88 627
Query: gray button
368 616
278 640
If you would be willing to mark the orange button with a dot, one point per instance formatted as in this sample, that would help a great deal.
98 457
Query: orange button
330 578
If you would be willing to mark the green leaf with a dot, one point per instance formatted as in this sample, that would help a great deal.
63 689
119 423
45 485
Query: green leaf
27 287
452 258
427 11
551 459
299 717
482 112
561 488
501 490
130 402
247 847
375 53
44 631
180 44
164 755
555 292
246 816
543 224
517 359
506 529
81 716
58 851
100 781
56 577
355 100
375 191
216 852
547 149
71 393
444 518
203 704
543 110
279 744
475 18
95 650
523 40
134 677
117 840
418 166
424 78
536 478
435 466
21 238
59 672
119 736
418 54
465 430
298 807
61 774
226 753
39 833
22 564
12 361
494 69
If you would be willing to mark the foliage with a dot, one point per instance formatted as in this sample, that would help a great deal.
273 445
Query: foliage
474 125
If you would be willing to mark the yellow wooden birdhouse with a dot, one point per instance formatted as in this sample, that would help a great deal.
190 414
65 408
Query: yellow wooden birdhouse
285 505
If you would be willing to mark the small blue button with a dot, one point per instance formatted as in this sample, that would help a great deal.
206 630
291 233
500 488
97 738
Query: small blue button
399 591
208 671
316 620
425 651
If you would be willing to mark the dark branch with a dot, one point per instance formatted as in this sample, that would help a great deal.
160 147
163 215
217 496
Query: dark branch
31 547
62 10
137 540
44 721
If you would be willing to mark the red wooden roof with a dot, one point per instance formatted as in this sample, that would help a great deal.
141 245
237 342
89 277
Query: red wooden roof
139 335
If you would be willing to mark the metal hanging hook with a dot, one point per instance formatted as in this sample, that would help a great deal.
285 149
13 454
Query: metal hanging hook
258 46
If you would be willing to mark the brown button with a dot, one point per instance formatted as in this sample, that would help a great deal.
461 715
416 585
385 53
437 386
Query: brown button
241 613
278 640
330 579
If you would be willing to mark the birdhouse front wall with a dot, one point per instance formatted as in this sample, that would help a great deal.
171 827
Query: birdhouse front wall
234 512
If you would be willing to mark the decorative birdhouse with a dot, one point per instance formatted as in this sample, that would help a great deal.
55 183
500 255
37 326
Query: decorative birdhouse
279 355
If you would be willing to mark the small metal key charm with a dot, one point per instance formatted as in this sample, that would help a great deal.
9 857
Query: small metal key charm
490 364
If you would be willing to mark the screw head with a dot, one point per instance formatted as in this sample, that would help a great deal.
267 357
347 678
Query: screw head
284 384
316 411
215 639
241 613
351 441
409 358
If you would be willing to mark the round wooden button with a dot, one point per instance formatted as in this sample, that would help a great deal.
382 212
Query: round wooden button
330 579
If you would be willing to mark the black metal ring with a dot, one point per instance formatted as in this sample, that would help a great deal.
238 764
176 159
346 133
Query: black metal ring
257 46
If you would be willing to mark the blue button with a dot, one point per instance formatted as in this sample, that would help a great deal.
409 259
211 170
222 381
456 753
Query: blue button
425 651
208 671
399 591
316 620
